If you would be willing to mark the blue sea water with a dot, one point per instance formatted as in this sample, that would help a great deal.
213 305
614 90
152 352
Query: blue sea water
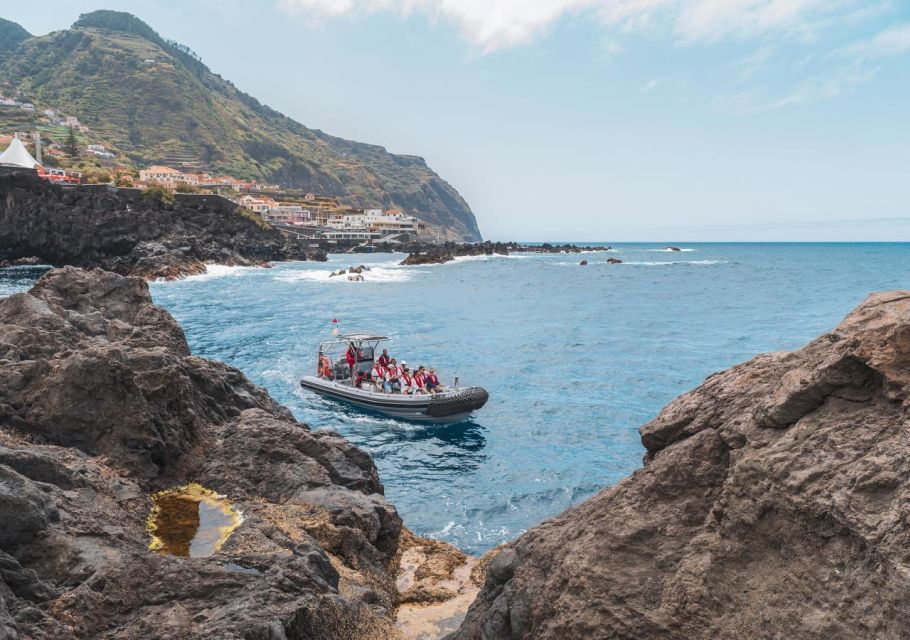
575 358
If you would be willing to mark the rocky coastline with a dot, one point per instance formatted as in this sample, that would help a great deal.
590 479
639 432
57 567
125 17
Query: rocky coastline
129 233
102 404
772 504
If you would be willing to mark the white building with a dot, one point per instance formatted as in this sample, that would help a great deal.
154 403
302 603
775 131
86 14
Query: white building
290 214
99 150
164 176
256 204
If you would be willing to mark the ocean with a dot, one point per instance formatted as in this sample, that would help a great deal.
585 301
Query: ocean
575 358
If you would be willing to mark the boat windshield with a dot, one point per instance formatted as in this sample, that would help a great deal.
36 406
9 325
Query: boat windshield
333 363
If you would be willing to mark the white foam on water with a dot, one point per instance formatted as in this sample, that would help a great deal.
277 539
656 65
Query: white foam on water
670 250
670 263
479 258
216 271
376 274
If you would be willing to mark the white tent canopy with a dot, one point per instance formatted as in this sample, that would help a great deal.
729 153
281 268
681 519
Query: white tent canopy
16 155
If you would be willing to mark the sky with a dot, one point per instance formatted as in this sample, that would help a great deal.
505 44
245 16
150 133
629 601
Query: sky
590 120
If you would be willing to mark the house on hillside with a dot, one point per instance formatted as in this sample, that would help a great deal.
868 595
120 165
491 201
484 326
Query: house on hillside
257 204
165 176
99 150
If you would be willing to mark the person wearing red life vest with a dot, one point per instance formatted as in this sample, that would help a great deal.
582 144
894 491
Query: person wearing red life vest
407 379
432 381
384 358
379 373
325 368
393 377
351 357
420 380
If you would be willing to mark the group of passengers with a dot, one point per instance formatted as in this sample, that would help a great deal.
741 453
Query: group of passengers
391 377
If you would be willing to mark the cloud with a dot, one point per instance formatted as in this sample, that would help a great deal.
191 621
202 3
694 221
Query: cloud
822 86
892 41
501 24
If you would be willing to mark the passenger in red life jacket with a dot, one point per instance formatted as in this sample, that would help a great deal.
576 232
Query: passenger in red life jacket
407 380
351 357
432 381
420 380
393 378
384 358
379 375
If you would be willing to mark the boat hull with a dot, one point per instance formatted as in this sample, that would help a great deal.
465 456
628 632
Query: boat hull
447 407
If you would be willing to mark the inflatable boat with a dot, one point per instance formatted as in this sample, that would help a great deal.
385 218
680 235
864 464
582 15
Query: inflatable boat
337 379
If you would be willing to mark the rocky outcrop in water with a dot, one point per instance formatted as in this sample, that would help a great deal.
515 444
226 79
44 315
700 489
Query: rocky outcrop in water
773 504
102 403
424 253
131 234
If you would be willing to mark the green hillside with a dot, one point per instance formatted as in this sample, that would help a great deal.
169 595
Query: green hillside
11 35
154 101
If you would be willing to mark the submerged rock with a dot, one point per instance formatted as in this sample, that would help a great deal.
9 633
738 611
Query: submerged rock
101 405
772 504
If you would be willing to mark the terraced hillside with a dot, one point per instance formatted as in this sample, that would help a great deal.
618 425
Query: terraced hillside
153 101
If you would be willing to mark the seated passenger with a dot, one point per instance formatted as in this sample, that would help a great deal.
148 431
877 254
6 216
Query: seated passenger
384 358
407 379
393 377
420 380
432 381
378 373
325 368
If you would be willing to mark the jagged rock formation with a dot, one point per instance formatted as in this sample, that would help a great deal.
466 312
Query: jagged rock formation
774 503
101 402
128 233
153 101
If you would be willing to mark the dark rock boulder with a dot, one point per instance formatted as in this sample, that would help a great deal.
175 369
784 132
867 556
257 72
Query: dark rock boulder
772 504
101 404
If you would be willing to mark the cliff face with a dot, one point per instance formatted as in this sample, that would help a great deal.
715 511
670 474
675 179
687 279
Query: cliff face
774 503
101 403
153 101
127 233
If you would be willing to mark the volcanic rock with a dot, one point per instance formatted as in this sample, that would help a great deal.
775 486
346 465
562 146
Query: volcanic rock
614 261
773 503
125 231
101 404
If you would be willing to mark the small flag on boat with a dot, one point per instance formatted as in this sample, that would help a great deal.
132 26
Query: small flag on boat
335 326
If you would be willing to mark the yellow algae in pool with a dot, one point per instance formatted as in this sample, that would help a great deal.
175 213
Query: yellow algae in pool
191 521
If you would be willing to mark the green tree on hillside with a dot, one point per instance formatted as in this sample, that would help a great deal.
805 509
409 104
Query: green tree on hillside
71 146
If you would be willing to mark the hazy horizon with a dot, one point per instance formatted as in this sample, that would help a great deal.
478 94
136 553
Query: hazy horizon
623 120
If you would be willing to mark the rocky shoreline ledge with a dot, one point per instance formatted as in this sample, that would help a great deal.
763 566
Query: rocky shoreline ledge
130 234
422 253
102 405
773 504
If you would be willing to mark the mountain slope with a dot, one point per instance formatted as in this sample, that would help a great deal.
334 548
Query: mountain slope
154 101
11 35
